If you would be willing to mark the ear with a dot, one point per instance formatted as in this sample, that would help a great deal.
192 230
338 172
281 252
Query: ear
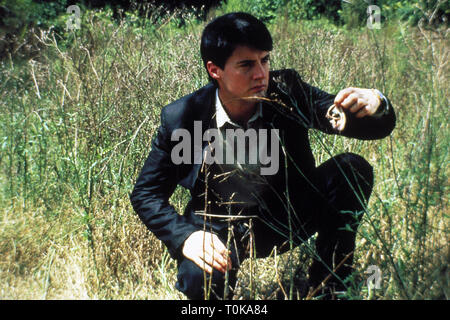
213 70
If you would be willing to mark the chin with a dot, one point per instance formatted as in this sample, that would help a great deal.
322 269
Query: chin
254 96
260 94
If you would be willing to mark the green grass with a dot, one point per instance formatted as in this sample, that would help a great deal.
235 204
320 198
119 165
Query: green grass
76 125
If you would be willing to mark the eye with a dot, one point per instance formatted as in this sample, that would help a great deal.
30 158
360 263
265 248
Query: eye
265 59
246 64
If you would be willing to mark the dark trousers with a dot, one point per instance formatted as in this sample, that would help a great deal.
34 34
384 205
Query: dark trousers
345 184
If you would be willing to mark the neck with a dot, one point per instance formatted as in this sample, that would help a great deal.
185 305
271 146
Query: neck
239 110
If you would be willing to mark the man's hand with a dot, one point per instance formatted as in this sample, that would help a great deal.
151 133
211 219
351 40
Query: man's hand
363 102
207 251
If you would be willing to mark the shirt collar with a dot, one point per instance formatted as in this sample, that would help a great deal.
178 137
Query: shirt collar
222 116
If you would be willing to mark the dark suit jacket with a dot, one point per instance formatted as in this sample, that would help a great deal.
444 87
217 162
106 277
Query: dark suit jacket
298 107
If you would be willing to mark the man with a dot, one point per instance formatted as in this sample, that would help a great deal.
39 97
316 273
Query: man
236 208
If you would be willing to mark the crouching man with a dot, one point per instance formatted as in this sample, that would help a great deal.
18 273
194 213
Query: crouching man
250 191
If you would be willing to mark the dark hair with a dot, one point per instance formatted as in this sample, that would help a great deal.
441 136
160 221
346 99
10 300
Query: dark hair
222 35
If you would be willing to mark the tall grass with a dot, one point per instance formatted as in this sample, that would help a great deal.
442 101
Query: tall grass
76 126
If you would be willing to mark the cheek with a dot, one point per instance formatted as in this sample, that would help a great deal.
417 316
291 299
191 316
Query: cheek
240 82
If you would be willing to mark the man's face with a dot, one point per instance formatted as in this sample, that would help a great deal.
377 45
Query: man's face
245 74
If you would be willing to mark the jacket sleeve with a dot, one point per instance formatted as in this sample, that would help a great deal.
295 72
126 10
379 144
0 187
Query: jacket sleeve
314 103
150 197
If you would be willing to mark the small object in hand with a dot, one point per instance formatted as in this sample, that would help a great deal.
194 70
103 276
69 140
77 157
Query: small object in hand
337 117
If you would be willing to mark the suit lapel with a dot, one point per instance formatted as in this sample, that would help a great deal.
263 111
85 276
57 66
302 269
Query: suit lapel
205 99
202 109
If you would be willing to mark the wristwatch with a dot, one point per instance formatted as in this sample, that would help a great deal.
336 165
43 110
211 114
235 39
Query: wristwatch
384 107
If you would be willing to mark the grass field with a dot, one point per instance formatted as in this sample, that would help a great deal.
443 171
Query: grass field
76 123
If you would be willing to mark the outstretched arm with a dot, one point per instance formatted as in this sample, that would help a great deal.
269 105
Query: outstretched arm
369 115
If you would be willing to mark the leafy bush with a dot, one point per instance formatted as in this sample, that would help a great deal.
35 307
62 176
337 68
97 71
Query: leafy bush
18 21
433 12
352 13
266 10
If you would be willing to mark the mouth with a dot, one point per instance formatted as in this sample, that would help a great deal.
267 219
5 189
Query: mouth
259 88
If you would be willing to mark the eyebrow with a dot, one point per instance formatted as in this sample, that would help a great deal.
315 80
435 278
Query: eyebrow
244 62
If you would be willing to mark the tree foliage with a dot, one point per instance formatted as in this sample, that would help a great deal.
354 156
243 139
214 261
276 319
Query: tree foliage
352 13
19 18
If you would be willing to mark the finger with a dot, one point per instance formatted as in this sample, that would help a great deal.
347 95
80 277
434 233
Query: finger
203 265
225 262
214 252
210 254
344 93
357 105
363 112
216 261
220 247
204 259
349 101
361 104
219 265
201 261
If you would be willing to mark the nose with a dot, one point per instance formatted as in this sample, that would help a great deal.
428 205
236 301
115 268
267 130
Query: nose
259 71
